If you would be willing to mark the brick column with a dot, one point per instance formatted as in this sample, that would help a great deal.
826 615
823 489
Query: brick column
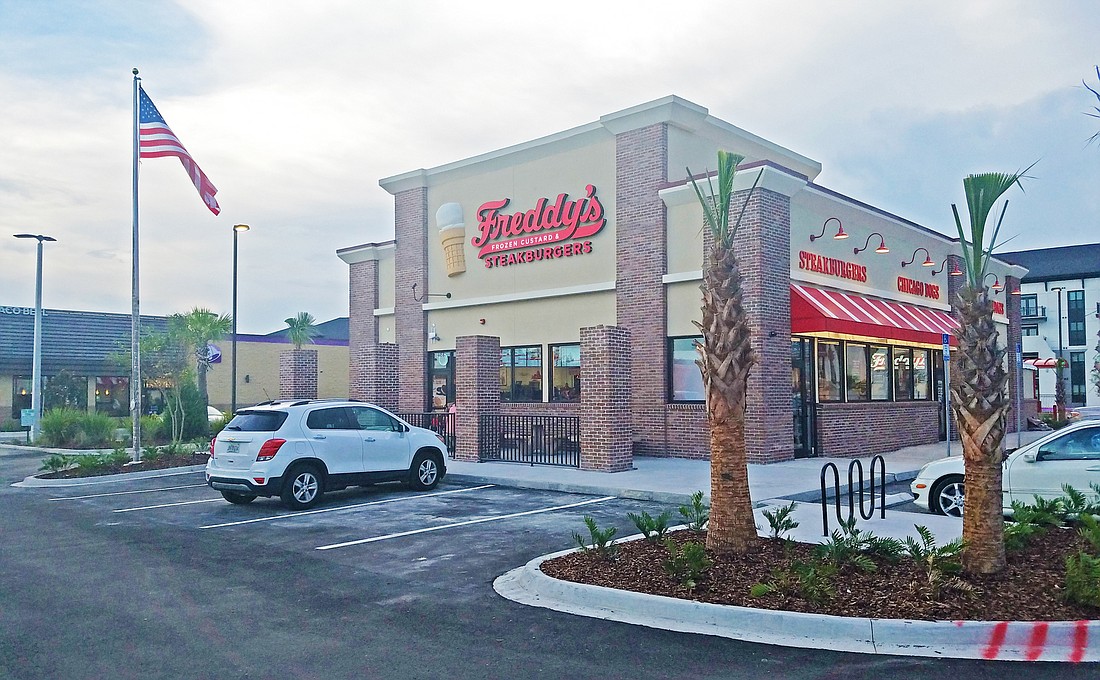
954 285
381 376
641 161
1012 311
763 246
606 381
411 322
477 391
362 326
298 374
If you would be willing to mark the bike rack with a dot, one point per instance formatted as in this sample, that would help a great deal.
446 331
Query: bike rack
855 465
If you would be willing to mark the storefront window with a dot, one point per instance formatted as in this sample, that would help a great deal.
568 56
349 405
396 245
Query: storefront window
567 373
441 379
855 361
65 390
829 371
521 374
903 374
112 395
20 395
880 373
922 383
686 383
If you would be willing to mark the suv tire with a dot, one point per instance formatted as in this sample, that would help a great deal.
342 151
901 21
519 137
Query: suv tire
424 473
303 487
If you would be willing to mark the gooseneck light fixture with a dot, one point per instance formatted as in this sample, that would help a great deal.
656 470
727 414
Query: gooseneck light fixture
955 271
839 235
882 249
928 262
997 287
36 355
425 296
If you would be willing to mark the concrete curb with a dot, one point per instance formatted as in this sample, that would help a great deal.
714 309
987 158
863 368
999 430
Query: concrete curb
35 483
989 640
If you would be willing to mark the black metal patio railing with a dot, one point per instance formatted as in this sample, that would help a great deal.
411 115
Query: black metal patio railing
536 440
441 423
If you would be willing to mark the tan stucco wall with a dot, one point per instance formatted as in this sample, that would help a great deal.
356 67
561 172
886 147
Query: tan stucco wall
528 322
5 397
386 332
260 362
685 239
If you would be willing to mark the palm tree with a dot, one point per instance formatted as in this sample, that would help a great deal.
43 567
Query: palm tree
196 330
979 394
725 357
300 329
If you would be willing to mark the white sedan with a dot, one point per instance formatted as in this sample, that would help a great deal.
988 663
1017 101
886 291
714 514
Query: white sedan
1067 456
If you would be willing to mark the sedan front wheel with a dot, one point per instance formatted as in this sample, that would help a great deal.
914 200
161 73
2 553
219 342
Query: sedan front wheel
948 496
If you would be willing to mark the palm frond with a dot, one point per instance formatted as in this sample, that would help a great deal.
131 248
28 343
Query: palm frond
982 193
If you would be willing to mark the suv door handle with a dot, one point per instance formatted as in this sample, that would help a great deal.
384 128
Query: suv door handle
1094 468
319 436
368 439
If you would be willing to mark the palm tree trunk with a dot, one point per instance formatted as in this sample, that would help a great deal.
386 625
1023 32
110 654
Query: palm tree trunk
725 359
202 386
980 403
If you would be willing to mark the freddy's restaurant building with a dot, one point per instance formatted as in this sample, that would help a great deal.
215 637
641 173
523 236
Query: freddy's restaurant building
557 281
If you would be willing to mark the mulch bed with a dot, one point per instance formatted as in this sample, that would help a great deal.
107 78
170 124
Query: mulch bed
1029 589
159 463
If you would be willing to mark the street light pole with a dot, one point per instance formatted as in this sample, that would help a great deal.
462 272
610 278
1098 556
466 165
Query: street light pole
1059 387
237 228
36 360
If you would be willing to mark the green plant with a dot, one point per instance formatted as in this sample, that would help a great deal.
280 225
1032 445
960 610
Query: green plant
812 581
1077 504
780 519
687 562
58 427
939 563
1083 579
10 425
697 513
56 462
653 528
851 546
601 542
1090 530
219 424
300 329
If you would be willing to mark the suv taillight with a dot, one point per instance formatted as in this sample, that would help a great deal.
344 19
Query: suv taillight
269 449
212 442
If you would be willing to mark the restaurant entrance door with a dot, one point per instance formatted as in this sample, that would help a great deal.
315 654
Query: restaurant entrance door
802 396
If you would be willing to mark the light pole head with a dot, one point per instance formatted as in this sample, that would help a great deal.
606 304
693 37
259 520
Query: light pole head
241 227
40 237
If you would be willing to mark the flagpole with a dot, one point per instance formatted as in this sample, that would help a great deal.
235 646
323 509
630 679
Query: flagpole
135 321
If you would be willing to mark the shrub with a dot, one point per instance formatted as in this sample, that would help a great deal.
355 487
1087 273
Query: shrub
9 425
154 430
1083 579
219 425
56 462
687 563
940 563
653 528
850 546
697 513
601 540
780 520
58 427
812 581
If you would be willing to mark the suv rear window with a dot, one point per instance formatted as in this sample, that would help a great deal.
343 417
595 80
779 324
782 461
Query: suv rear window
257 421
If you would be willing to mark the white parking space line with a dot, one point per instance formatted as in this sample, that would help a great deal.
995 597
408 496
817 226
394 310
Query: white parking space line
290 515
123 493
463 524
170 505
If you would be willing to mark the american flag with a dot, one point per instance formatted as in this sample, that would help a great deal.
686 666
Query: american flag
157 140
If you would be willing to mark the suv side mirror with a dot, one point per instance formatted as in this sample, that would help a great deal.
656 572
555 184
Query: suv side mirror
1028 457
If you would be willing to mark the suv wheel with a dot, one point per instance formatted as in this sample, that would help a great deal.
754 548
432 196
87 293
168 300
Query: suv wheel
238 498
424 473
303 487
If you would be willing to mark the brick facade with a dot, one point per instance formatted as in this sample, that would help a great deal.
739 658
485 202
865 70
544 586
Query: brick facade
362 325
641 159
1012 311
867 428
410 321
298 374
606 386
477 390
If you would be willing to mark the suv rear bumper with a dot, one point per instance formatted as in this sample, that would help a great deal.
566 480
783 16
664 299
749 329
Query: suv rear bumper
272 487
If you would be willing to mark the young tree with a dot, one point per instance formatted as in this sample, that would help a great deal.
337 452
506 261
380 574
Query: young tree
979 394
300 329
196 330
725 357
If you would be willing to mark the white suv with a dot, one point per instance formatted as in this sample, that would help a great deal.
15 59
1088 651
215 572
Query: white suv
300 449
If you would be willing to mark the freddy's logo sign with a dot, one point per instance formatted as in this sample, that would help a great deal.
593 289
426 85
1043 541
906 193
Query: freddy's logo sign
547 224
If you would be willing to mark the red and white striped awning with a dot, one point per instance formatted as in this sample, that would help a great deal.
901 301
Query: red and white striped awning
1042 363
817 310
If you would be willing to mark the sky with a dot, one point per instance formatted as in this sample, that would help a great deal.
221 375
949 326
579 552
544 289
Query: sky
295 110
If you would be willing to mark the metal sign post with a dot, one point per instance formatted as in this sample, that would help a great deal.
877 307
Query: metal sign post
947 384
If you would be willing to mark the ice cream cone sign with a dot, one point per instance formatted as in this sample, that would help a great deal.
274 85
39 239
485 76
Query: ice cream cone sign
452 234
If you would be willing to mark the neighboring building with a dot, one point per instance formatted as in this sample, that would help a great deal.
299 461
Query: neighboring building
1060 318
88 347
560 277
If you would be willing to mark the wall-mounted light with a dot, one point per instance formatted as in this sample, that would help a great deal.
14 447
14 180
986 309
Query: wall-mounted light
997 287
428 295
432 335
839 235
882 249
928 262
955 271
247 378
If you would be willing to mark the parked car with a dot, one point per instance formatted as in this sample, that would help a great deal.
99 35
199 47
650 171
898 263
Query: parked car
1067 456
298 450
